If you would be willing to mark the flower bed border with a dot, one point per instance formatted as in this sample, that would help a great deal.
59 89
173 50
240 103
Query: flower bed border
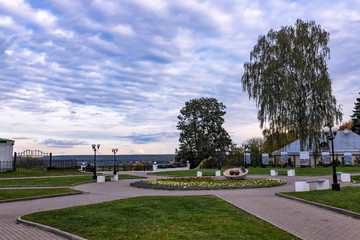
147 184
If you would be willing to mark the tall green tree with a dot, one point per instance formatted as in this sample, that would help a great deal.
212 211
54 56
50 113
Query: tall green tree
276 140
355 127
288 78
202 134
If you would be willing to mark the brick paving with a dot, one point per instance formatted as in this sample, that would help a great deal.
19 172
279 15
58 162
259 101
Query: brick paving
302 220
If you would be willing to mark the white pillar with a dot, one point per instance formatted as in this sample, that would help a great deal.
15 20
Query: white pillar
345 177
114 177
291 173
301 186
155 168
188 165
100 178
323 185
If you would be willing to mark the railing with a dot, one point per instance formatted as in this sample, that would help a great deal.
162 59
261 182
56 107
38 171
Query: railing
123 167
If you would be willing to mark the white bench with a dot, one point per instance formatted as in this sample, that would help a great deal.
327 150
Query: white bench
199 173
290 172
113 177
321 184
344 177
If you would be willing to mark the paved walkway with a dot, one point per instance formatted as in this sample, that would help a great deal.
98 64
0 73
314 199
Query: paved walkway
304 221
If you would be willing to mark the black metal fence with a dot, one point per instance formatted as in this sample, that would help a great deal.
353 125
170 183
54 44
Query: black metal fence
38 163
123 167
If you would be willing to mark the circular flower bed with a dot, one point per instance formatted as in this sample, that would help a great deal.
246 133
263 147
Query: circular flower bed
206 183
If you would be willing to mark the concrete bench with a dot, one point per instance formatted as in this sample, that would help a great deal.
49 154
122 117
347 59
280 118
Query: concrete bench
344 177
113 177
321 184
199 173
290 172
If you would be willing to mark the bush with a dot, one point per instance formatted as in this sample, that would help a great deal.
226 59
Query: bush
357 161
208 163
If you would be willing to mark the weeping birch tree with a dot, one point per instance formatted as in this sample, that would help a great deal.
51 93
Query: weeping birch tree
287 76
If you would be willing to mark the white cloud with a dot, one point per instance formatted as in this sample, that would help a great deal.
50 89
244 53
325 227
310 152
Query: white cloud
92 70
124 30
23 10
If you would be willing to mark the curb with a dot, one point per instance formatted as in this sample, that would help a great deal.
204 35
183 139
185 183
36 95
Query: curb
46 186
327 207
39 197
50 229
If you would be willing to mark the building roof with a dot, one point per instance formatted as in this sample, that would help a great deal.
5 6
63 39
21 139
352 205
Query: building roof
343 142
5 140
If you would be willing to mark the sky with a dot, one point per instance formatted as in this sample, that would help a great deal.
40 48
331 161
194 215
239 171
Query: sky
117 72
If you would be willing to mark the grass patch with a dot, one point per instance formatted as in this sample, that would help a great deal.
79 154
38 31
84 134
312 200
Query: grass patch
263 171
346 198
6 194
180 217
355 178
38 173
55 181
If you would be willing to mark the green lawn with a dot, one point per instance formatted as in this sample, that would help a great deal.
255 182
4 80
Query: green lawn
347 198
356 178
264 171
55 181
35 173
175 217
6 194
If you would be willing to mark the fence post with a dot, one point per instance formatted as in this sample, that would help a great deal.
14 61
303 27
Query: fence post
294 158
50 160
14 167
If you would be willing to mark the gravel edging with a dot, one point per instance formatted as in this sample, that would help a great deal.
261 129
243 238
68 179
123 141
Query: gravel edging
39 197
50 229
327 207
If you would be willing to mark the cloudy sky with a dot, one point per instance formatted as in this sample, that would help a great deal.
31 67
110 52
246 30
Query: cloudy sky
117 72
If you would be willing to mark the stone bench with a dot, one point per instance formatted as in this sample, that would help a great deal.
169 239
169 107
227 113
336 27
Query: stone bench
113 177
290 172
321 184
344 177
199 173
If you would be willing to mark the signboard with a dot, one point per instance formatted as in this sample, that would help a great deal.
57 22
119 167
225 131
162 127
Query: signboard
265 158
304 158
347 158
284 157
325 157
247 158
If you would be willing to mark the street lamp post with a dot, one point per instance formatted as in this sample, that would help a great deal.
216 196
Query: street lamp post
330 135
245 146
218 151
114 150
95 148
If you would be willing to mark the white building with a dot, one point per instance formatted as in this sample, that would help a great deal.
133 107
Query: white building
6 154
345 142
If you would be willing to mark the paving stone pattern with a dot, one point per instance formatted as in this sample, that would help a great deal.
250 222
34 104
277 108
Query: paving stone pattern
302 220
